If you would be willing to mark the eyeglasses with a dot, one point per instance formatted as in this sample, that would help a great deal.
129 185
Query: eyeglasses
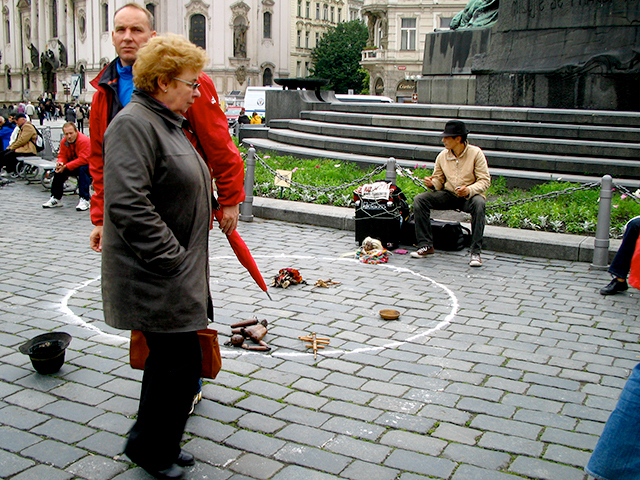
193 85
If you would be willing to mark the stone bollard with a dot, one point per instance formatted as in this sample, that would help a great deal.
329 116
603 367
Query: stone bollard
391 170
601 242
246 209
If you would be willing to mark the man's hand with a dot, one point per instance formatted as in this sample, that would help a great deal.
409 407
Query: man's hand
229 220
462 191
60 167
95 239
427 182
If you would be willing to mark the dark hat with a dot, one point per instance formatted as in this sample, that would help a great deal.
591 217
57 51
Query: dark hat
20 115
47 351
454 128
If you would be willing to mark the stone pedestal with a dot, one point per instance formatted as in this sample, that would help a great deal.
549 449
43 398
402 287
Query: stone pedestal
540 53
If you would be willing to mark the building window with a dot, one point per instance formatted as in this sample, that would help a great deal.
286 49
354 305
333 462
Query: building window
197 34
267 77
54 18
325 12
105 17
7 29
353 14
152 10
339 15
298 69
267 25
299 42
299 8
408 34
317 38
306 69
445 22
333 12
306 39
308 11
317 11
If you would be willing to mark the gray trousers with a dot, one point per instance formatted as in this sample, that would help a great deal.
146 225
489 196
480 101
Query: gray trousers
445 200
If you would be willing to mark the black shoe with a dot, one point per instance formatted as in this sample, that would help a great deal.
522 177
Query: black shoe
185 459
174 472
614 287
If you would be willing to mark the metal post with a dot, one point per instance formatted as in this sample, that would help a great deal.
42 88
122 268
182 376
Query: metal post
391 170
246 209
601 242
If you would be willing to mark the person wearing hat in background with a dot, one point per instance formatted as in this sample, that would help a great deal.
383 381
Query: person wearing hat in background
23 146
459 181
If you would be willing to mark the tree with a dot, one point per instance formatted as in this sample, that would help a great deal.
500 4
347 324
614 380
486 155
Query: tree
337 56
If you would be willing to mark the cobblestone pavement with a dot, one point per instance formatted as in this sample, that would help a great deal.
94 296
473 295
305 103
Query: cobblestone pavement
503 372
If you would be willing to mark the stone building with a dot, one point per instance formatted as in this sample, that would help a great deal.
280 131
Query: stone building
55 47
395 48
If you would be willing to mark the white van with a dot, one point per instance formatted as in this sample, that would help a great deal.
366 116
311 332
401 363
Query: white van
363 98
255 99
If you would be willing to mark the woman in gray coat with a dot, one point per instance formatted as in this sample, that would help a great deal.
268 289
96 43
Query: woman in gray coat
155 274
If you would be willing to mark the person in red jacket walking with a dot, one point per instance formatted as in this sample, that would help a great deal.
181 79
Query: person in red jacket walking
206 125
73 160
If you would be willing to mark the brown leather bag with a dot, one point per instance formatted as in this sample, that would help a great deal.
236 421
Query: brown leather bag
211 359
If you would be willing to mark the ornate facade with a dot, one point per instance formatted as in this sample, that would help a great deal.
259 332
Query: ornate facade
55 47
395 48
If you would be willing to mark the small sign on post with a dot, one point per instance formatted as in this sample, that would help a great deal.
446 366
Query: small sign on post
283 182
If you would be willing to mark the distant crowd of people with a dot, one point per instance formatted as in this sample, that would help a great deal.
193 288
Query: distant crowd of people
47 109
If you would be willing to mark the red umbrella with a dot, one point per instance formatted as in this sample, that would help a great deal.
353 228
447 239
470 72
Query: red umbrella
244 256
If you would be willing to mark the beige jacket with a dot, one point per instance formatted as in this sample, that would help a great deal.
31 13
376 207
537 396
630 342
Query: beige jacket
25 143
470 169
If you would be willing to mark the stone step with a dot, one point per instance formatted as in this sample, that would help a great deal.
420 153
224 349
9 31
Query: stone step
516 114
558 164
517 178
477 126
524 144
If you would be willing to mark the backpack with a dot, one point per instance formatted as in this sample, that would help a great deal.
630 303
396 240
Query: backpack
39 142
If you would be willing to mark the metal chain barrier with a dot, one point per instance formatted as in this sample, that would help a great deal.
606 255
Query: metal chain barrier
633 195
379 169
499 206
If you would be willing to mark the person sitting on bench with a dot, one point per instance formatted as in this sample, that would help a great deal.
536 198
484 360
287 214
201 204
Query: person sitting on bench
23 146
73 159
459 182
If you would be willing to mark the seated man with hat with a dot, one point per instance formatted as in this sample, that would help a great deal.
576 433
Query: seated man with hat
459 182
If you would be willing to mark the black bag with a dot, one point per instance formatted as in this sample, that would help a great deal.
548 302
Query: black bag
449 236
39 141
382 218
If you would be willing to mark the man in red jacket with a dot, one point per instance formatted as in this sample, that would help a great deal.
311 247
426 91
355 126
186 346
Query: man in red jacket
206 125
73 160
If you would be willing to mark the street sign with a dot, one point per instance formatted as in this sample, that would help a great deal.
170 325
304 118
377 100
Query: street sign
75 85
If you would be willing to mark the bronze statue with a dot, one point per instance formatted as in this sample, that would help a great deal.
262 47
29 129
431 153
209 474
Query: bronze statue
477 13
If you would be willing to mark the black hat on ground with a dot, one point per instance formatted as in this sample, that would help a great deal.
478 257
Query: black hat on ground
47 351
455 128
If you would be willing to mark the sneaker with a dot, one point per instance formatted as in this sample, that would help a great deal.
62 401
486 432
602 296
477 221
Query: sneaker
475 261
53 202
83 205
614 287
423 252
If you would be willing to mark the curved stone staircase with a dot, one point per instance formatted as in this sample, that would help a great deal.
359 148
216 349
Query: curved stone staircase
523 145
